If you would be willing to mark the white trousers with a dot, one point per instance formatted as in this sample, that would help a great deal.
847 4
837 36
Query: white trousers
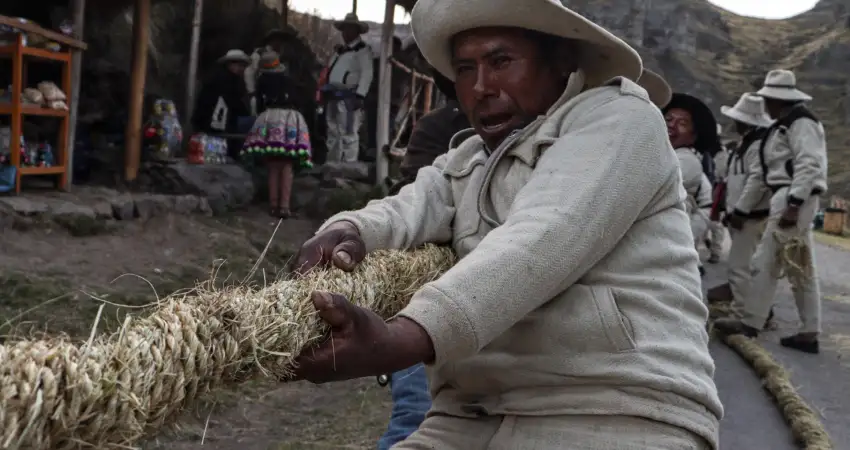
343 140
743 247
764 267
717 235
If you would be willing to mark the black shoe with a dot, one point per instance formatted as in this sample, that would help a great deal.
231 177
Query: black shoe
801 343
731 327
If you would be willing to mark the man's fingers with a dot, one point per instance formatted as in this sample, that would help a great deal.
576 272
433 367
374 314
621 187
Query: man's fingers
332 308
348 254
308 258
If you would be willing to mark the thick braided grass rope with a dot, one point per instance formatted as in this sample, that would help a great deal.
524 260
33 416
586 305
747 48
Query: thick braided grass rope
806 427
112 391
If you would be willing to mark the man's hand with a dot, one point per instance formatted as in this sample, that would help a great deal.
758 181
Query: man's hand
736 220
790 217
338 244
361 343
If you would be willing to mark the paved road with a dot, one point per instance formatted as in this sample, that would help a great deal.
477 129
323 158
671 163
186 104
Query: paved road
752 421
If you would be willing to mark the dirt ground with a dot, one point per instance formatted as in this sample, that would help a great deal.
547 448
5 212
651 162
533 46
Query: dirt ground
50 282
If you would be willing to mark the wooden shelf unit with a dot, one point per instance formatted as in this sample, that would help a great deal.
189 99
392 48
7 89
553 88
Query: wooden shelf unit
19 54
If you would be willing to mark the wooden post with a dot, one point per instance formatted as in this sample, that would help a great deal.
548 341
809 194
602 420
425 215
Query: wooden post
192 78
79 8
382 137
138 72
429 94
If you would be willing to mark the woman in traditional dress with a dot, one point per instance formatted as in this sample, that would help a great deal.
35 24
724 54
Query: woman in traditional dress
280 135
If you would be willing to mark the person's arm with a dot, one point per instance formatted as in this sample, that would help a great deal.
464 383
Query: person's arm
808 143
704 199
754 187
250 73
582 198
420 213
364 60
692 173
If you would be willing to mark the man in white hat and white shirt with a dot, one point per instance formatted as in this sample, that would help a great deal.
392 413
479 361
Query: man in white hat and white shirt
574 316
751 122
793 164
350 73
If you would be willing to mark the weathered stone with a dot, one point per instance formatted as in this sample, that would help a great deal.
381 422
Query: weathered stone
226 186
358 171
152 205
25 206
77 219
204 207
103 210
186 204
123 207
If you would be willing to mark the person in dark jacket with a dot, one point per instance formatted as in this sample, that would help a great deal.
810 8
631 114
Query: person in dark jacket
280 134
430 138
223 99
431 135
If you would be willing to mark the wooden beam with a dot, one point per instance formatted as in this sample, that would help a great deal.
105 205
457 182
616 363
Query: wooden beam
31 27
382 137
192 78
79 14
138 72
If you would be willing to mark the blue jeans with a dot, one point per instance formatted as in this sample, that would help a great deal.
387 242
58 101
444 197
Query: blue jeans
411 400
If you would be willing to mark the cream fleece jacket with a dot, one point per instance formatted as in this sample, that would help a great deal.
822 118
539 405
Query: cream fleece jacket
744 186
802 147
694 180
578 290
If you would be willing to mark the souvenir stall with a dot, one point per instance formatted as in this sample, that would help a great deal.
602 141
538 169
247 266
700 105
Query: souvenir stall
23 99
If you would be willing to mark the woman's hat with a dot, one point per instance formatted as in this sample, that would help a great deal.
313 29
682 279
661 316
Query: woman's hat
235 55
748 110
658 89
269 59
351 19
603 55
782 85
705 126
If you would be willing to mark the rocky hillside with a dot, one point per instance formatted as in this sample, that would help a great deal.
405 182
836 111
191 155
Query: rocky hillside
707 51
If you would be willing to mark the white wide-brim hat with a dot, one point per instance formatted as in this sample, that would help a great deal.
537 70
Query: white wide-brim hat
352 19
603 55
749 110
782 85
235 55
659 91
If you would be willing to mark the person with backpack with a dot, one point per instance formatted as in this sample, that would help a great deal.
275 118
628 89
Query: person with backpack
692 131
792 163
751 121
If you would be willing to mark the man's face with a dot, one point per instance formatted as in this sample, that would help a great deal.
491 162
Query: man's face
502 80
680 128
742 128
350 33
237 67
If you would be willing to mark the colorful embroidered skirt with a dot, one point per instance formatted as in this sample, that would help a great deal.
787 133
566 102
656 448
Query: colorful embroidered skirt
280 133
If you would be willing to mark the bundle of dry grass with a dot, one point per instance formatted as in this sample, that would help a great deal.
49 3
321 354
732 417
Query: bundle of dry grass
109 392
806 427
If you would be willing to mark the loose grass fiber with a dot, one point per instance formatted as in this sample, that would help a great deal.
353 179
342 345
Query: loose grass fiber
806 427
113 390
